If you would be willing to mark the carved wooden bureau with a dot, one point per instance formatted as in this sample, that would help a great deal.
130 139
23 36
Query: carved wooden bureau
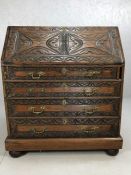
63 88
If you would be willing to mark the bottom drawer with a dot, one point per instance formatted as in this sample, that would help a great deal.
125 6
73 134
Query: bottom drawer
62 128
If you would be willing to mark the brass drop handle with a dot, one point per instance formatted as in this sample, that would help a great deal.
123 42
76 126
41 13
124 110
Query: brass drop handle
93 129
36 77
38 132
89 92
90 110
32 109
91 73
30 90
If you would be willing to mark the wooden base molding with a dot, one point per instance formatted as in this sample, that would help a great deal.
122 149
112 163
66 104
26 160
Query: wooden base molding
63 144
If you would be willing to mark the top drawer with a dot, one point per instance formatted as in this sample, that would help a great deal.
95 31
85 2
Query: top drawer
60 73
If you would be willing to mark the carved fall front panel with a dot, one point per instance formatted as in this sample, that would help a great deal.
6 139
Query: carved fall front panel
97 45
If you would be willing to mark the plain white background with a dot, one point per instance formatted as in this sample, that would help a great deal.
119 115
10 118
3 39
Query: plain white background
70 13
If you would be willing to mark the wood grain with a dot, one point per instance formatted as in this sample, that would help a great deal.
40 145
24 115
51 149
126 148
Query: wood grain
63 144
100 108
88 65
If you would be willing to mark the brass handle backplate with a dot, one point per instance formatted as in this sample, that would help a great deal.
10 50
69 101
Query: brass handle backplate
91 73
89 92
32 109
34 77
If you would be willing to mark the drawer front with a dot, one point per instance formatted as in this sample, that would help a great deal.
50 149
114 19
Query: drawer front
60 73
65 89
63 107
29 128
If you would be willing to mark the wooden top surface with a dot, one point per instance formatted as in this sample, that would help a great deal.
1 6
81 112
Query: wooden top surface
66 45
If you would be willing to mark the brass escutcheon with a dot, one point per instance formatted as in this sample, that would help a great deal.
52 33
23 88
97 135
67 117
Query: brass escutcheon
65 121
64 102
42 90
64 71
5 75
30 90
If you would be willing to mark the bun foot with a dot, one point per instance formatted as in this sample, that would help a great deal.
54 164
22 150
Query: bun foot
16 154
112 152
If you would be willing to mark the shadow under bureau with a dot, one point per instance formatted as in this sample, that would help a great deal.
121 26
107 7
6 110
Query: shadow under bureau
63 88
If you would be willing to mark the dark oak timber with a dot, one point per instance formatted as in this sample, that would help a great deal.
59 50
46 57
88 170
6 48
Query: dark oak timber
63 144
63 88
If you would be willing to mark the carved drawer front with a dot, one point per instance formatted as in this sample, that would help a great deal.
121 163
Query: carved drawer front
57 89
60 107
22 73
38 128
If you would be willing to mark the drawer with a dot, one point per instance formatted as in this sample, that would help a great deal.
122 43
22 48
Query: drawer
29 128
63 107
54 73
63 89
